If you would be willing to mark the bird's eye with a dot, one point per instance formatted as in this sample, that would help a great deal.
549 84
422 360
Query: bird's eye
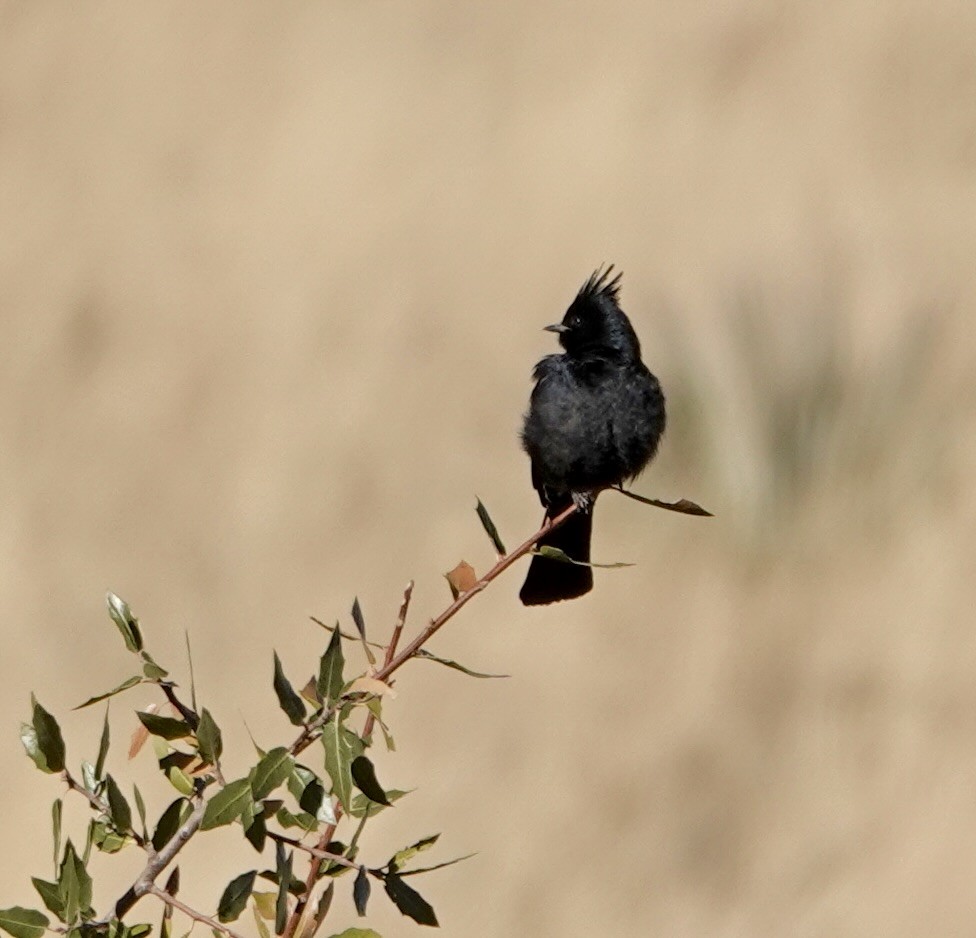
575 322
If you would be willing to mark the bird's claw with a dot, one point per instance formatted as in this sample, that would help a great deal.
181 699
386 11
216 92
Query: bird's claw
583 500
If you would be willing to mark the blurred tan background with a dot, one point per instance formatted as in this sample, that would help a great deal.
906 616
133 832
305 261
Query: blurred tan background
273 283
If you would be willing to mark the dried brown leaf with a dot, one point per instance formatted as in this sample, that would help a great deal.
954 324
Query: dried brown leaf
461 579
141 734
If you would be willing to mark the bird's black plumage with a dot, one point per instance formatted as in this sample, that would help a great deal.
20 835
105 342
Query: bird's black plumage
594 420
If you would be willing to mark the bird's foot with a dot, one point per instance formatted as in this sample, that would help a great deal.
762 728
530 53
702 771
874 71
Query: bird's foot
583 501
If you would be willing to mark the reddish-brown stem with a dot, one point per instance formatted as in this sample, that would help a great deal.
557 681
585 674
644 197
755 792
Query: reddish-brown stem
393 661
391 664
328 832
311 730
391 648
503 564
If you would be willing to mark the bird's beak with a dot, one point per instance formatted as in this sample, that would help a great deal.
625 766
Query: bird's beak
556 327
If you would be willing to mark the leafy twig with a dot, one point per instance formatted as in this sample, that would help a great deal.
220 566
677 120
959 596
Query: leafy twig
100 806
311 729
503 564
320 855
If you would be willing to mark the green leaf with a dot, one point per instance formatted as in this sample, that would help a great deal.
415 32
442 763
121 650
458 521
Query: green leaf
554 553
57 813
141 808
329 684
270 806
375 706
103 747
89 842
118 808
340 849
366 807
288 700
50 895
106 838
341 747
348 636
301 776
322 909
172 886
166 922
74 884
312 797
251 810
180 780
357 617
151 670
409 901
301 820
127 623
283 864
402 857
23 923
209 738
263 930
326 813
429 656
436 866
114 929
28 738
125 685
169 822
682 505
88 778
164 727
360 621
364 776
490 529
227 805
271 772
235 896
172 757
256 832
361 889
46 746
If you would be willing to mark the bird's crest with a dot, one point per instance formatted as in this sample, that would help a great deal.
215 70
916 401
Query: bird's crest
601 286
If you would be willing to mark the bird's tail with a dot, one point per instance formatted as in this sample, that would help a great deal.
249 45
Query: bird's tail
548 580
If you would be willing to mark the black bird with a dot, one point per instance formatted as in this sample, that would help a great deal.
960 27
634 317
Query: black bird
594 420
